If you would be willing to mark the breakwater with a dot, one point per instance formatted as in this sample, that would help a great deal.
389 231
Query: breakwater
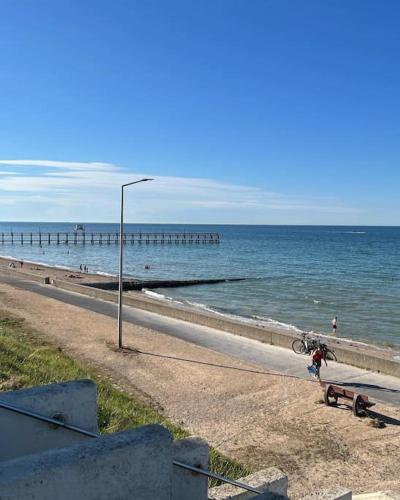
107 238
149 284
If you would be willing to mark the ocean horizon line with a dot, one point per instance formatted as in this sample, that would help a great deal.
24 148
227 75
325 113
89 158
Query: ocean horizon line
196 224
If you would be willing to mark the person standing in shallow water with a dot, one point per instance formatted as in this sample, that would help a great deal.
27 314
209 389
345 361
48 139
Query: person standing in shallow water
334 324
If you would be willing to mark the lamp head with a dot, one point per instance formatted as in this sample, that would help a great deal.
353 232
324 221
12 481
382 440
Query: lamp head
137 182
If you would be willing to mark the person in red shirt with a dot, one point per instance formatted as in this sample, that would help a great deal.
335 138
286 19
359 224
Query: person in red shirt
317 356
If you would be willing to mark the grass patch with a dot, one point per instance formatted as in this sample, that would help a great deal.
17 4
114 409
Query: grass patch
26 360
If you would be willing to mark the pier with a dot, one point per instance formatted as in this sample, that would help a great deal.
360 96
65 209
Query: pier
84 238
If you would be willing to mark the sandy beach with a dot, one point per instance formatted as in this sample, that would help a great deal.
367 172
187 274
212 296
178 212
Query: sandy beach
52 271
260 419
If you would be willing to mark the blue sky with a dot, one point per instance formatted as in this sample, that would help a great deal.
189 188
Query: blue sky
258 111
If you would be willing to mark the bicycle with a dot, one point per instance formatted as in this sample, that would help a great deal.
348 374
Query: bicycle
306 345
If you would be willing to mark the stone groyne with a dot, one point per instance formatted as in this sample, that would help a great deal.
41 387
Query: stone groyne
137 284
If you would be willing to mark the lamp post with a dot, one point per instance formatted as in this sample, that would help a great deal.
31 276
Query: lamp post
121 257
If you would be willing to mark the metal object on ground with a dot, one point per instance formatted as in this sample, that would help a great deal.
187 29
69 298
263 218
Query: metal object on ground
54 421
213 475
360 402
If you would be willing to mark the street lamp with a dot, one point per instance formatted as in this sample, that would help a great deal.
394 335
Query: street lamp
121 256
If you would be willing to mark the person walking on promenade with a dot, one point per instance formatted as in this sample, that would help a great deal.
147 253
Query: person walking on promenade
316 358
334 324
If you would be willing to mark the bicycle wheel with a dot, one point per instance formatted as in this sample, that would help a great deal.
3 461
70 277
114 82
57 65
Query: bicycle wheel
299 347
330 355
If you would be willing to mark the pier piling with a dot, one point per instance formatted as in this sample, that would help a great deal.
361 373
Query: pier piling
101 238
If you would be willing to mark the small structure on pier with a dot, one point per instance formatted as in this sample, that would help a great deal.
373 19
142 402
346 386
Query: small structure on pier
81 237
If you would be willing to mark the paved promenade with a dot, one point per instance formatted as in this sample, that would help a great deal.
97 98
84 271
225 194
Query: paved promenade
379 387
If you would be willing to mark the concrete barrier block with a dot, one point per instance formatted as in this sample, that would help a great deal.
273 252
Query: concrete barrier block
133 464
185 484
74 401
272 482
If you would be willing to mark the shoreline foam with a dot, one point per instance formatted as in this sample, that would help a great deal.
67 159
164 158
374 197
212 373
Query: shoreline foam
263 322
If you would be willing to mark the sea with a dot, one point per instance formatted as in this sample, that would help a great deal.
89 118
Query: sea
295 277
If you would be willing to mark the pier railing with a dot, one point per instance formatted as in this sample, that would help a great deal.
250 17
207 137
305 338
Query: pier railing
89 238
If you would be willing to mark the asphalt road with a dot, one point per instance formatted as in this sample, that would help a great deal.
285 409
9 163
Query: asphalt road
378 387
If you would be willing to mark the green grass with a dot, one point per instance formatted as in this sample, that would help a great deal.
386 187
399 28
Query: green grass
26 360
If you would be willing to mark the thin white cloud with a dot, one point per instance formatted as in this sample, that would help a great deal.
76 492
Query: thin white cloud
283 205
90 191
68 165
